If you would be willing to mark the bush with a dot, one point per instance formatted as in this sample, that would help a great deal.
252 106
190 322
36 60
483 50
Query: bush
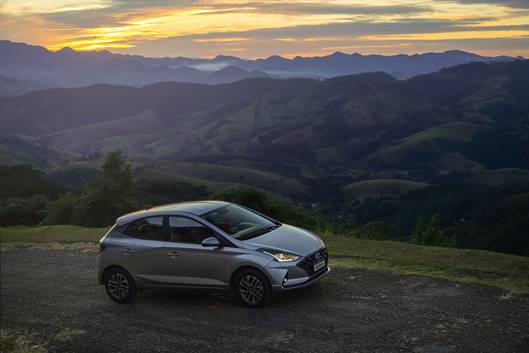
27 211
430 234
108 197
61 210
275 207
375 230
24 181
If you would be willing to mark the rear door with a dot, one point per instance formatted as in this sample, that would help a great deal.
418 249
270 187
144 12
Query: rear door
188 262
142 249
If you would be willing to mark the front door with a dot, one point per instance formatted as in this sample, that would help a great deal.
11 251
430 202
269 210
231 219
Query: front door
188 262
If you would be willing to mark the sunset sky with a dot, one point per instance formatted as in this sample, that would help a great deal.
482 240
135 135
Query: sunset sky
262 28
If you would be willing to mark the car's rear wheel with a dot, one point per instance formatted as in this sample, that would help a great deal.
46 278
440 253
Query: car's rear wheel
252 288
120 286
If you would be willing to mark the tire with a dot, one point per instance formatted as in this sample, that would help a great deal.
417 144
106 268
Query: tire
120 285
252 288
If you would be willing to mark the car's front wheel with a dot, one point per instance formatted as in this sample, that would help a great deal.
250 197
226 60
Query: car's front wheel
252 288
120 286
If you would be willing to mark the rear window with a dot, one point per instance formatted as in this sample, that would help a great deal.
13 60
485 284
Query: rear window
150 228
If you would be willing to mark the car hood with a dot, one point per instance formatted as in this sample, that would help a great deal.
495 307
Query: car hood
289 238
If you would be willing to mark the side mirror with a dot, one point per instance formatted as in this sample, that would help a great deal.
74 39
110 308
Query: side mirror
211 242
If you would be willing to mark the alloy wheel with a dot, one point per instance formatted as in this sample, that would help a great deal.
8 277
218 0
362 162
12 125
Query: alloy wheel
251 289
118 286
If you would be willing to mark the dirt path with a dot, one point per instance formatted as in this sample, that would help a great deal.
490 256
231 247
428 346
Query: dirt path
48 291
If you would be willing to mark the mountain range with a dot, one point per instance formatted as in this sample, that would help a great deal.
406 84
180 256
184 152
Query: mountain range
366 150
35 67
467 117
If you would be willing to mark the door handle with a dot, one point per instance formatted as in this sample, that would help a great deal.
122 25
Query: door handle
127 251
174 254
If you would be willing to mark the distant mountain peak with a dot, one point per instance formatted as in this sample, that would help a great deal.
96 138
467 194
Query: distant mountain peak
68 67
338 54
225 58
66 50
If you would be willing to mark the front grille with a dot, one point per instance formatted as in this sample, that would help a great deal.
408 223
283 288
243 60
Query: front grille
308 262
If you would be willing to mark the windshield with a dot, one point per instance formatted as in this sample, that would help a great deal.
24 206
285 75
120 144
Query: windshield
239 222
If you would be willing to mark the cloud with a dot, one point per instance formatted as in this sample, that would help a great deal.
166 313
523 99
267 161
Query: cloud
520 4
114 12
254 28
353 36
318 8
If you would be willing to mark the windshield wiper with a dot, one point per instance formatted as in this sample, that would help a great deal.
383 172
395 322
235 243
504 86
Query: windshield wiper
260 232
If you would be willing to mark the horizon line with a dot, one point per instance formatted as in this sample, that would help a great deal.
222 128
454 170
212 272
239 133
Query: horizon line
266 57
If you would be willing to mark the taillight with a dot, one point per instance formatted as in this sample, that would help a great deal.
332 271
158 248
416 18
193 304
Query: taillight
101 247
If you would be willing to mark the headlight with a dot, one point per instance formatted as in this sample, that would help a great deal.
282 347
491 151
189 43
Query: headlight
281 256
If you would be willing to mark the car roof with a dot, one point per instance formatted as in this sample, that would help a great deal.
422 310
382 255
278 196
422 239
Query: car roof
196 208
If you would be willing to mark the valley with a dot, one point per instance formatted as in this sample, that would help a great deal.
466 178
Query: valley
356 149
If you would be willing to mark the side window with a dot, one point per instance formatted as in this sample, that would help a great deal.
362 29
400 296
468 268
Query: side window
150 228
186 230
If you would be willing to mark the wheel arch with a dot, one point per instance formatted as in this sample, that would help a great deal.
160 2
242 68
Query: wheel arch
109 268
248 267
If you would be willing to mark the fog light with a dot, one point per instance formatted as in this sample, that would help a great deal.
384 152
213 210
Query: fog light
285 280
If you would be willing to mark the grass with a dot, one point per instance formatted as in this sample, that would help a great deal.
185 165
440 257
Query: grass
472 266
68 334
212 186
377 187
502 176
50 234
458 131
20 343
235 175
424 142
23 342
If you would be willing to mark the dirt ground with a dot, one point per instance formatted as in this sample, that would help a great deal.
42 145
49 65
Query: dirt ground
54 295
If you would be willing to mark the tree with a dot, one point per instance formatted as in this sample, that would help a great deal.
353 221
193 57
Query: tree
99 203
376 230
110 196
275 207
16 210
246 196
61 210
418 231
430 234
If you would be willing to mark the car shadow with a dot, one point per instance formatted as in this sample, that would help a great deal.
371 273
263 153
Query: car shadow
208 297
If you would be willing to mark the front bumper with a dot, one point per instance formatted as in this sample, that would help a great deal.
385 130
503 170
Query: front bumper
301 282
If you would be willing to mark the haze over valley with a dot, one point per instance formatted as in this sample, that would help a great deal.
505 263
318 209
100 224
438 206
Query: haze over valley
25 67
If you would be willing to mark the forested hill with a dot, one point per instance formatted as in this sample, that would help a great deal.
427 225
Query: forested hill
479 111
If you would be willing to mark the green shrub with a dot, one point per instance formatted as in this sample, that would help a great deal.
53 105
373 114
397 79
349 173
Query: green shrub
25 181
277 208
99 203
430 233
375 230
61 209
27 211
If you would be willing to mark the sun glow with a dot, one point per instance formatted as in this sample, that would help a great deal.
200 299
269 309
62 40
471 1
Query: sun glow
201 27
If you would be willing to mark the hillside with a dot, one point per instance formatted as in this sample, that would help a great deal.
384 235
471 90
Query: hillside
371 119
364 150
14 151
14 87
380 187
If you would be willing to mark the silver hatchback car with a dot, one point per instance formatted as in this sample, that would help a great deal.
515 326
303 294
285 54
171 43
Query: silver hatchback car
208 244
